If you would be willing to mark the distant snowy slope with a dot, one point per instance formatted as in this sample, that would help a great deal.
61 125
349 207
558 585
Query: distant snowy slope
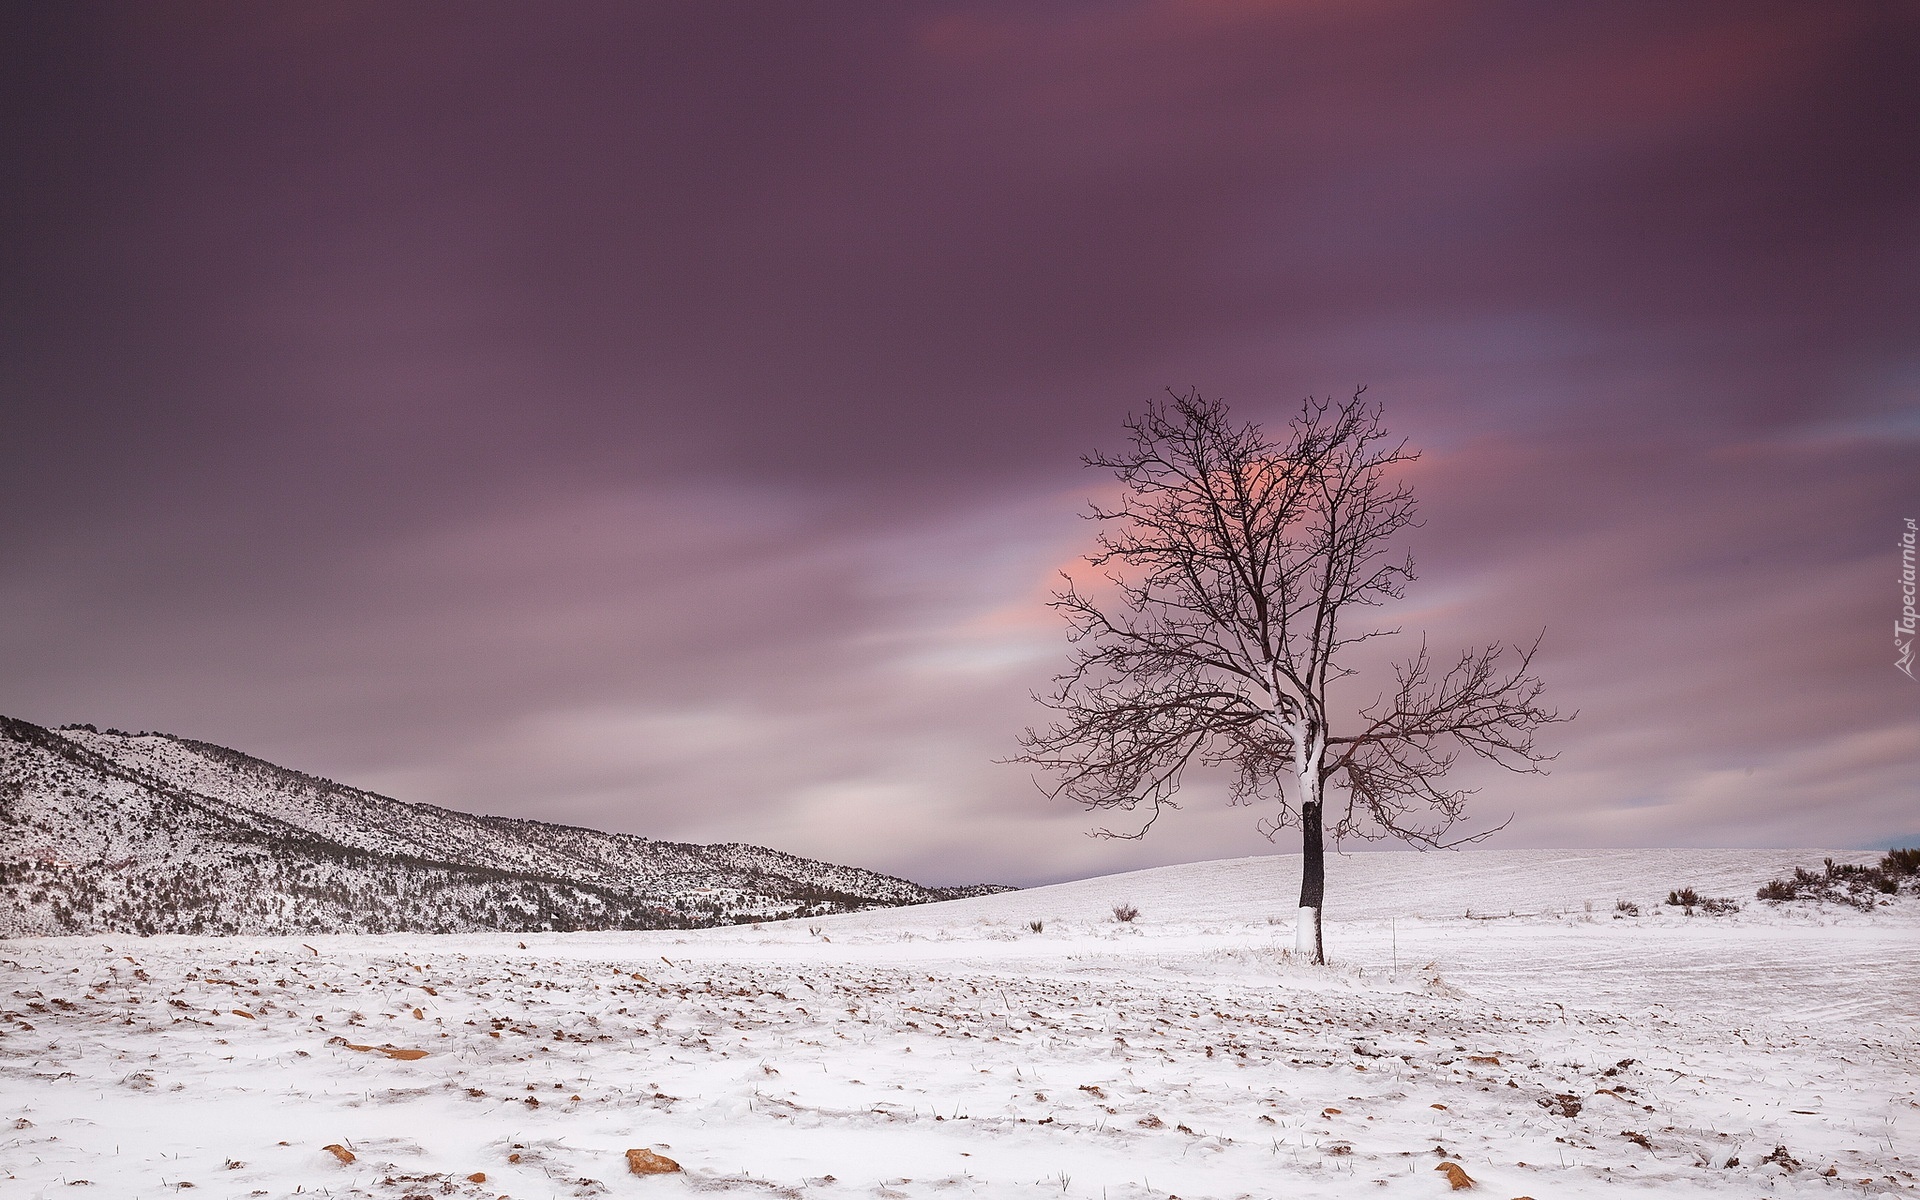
1375 886
154 833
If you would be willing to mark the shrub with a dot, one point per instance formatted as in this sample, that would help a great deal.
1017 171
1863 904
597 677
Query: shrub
1853 884
1627 907
1125 912
1690 899
1037 926
1901 862
1685 898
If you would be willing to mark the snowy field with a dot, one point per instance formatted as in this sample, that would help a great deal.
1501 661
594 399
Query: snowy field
1547 1048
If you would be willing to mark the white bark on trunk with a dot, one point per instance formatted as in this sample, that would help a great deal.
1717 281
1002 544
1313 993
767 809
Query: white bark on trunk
1310 748
1292 710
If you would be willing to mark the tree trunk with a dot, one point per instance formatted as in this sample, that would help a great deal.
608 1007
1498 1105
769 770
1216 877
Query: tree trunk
1307 943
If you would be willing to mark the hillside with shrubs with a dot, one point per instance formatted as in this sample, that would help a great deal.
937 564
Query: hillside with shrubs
112 832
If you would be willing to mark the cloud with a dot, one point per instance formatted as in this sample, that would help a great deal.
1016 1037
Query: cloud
626 416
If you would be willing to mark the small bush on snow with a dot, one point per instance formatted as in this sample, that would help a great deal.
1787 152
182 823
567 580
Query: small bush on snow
1125 912
1852 884
1901 862
1690 899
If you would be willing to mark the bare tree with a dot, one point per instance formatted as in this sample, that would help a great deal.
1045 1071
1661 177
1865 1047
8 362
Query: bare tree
1232 566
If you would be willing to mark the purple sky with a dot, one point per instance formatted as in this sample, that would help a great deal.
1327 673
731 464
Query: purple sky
667 418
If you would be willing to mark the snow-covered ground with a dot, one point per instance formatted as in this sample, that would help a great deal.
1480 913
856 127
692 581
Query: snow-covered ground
951 1050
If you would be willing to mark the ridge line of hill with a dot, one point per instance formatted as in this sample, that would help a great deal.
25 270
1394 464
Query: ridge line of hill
152 833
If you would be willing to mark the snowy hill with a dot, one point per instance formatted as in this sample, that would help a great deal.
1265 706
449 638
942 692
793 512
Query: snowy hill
149 833
1375 886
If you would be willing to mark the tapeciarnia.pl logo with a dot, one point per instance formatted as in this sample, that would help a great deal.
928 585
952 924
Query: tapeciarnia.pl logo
1903 628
